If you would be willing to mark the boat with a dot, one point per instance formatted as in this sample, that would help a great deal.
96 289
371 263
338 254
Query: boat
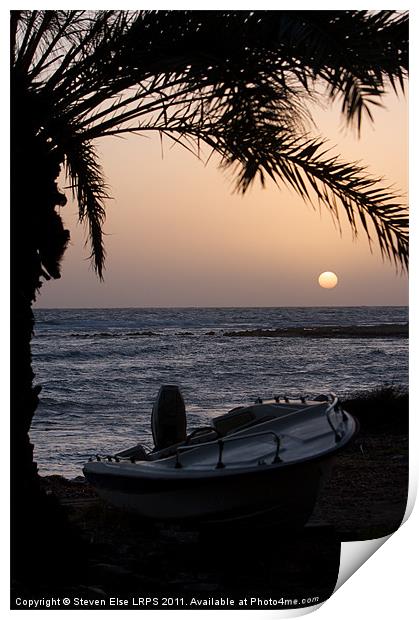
264 460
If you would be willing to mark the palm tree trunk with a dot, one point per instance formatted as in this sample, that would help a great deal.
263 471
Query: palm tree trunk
43 547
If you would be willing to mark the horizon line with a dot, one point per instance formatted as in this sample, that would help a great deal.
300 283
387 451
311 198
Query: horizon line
193 307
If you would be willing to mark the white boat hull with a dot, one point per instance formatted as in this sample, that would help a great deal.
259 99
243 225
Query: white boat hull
275 467
224 497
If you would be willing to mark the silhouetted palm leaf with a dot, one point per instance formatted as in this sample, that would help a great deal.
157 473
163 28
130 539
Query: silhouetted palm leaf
89 190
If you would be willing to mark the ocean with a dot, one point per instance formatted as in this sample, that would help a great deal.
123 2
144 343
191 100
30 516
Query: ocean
101 369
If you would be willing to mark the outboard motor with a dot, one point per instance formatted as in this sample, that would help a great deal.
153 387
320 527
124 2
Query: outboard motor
168 419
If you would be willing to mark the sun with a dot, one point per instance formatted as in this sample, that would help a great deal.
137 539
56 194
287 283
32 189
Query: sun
328 279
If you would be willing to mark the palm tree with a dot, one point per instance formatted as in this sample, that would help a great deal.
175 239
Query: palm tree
239 82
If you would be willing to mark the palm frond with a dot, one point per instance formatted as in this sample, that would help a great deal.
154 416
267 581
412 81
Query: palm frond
90 191
354 52
319 177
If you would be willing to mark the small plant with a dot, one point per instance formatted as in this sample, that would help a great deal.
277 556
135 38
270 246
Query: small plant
385 408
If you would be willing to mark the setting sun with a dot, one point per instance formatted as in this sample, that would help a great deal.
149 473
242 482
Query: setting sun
328 279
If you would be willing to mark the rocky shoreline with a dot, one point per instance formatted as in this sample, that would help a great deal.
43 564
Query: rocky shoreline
333 331
386 330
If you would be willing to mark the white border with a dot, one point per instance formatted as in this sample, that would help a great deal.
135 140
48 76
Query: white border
386 585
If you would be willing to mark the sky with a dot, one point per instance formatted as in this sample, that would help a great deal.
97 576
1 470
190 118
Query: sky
177 235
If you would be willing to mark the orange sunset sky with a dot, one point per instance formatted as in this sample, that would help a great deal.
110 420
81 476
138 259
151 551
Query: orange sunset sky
177 234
